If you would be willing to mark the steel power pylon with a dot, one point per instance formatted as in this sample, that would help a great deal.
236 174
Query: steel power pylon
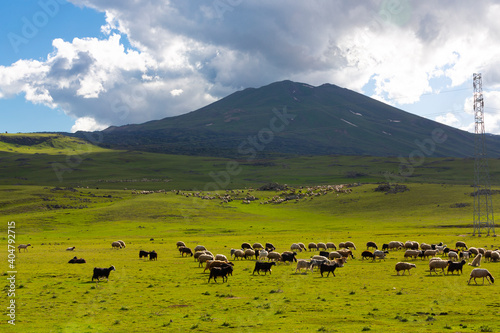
483 207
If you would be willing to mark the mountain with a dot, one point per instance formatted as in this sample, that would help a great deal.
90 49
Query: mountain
296 118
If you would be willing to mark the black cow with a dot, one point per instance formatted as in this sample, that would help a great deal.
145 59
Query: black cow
263 266
102 273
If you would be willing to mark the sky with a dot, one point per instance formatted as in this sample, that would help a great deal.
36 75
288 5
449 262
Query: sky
69 65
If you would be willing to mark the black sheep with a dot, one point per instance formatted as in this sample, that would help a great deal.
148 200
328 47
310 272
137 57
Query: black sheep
455 266
324 253
373 245
385 247
286 256
367 254
76 260
263 266
143 254
102 272
153 255
328 268
223 271
185 250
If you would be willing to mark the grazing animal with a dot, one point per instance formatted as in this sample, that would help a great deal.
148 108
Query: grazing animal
117 245
404 266
312 246
143 254
302 246
288 256
429 253
249 253
216 263
461 245
331 245
481 272
412 253
295 247
324 253
245 246
239 254
328 268
270 247
204 258
76 260
385 247
220 257
321 246
185 251
495 255
263 266
302 263
257 246
366 254
262 254
477 260
102 273
436 263
349 244
455 266
222 271
453 255
379 254
425 247
180 243
122 243
275 256
153 255
199 248
372 245
346 253
23 246
70 248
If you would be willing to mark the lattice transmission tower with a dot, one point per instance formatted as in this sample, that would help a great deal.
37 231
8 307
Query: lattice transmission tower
483 207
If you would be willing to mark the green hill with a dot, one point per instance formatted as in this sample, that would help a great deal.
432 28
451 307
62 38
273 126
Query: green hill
295 118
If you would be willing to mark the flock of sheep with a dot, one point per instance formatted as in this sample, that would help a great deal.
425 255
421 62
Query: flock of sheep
439 256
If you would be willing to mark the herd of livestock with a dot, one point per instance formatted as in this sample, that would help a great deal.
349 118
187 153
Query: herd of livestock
439 256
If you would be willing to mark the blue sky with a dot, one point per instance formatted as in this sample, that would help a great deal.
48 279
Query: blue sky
88 64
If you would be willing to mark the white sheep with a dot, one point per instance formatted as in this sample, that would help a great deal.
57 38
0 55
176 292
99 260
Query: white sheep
263 255
404 266
249 253
274 256
334 254
412 253
121 242
257 246
296 247
481 272
302 263
239 254
204 258
312 246
395 245
453 256
302 246
330 245
199 248
430 253
425 246
180 243
435 263
379 254
477 260
23 246
474 251
495 255
117 245
349 244
221 257
440 248
321 246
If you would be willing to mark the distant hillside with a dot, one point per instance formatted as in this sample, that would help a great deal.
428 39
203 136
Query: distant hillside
295 118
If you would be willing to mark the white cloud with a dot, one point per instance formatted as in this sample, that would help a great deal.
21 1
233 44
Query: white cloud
87 124
176 92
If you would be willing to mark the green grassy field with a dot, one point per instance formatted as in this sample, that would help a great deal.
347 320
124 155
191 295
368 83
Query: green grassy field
172 294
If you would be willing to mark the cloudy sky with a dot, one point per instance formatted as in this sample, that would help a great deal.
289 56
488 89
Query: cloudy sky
69 65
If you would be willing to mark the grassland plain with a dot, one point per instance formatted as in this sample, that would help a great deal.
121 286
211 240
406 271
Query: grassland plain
172 294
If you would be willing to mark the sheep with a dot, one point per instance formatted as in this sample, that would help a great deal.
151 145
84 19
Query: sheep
238 254
76 260
464 255
330 245
404 266
153 255
435 263
481 250
274 256
349 244
23 246
453 255
328 268
302 263
334 255
288 256
487 255
199 248
379 254
143 253
440 248
302 246
221 257
249 253
341 245
460 244
215 263
102 273
262 254
245 246
430 253
180 243
455 266
425 247
312 246
366 254
263 266
477 261
117 245
346 253
321 246
257 246
371 244
481 272
295 247
185 250
324 253
385 247
321 258
412 253
395 245
474 251
122 243
495 255
270 247
204 258
70 248
222 271
196 255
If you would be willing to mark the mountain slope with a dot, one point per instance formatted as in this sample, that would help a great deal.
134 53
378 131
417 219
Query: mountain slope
295 118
